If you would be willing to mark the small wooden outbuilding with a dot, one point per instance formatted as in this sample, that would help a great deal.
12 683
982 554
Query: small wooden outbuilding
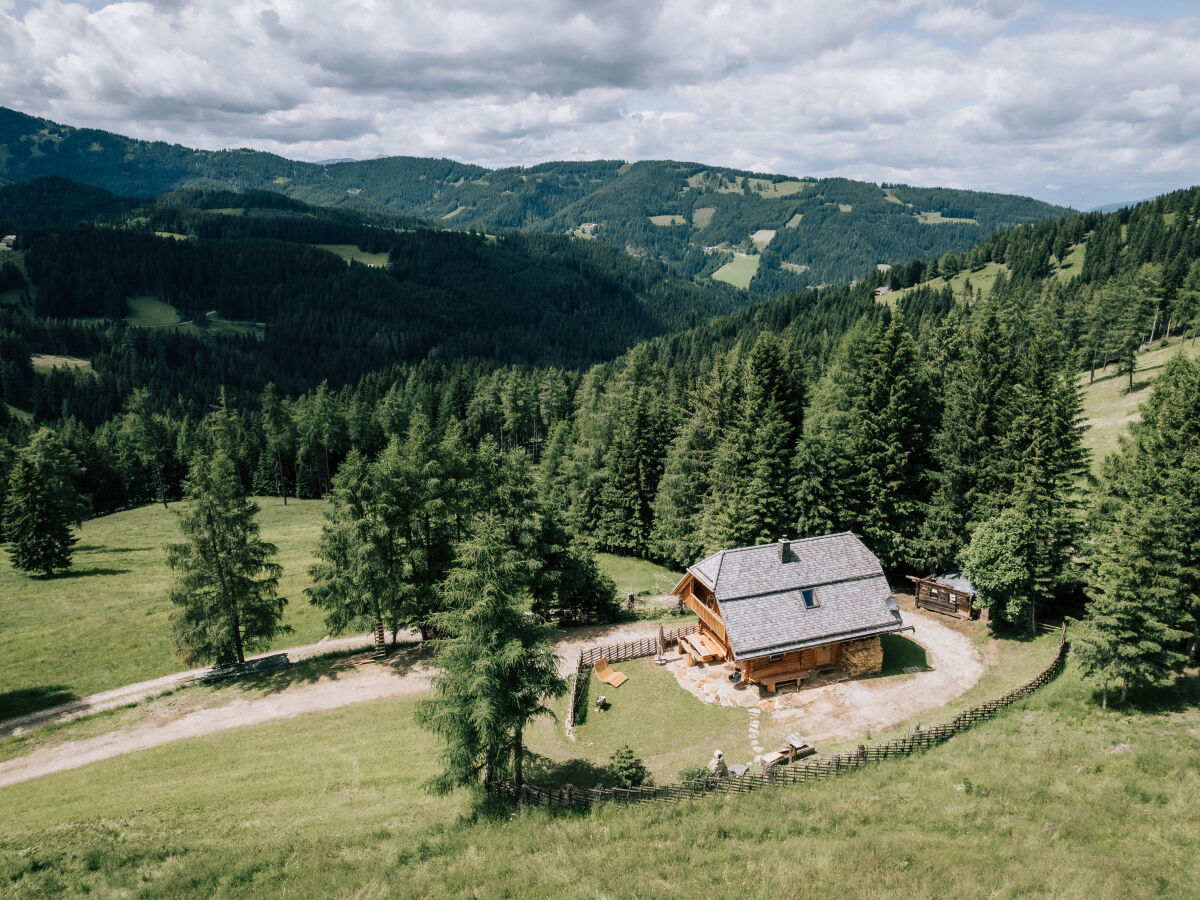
778 611
950 594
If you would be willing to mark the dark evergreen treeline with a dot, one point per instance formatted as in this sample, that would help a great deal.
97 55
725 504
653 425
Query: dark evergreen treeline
947 433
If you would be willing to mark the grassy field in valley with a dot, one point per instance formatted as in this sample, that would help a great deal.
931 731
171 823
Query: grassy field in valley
103 623
147 312
333 804
739 271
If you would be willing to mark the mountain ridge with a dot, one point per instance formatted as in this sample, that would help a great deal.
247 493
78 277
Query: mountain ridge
790 232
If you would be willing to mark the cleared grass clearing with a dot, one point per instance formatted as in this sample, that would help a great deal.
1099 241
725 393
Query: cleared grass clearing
21 414
637 576
777 189
173 234
762 237
936 218
43 362
351 253
104 623
1108 406
739 271
795 220
587 231
332 804
980 279
702 215
1072 263
795 267
668 219
147 312
889 194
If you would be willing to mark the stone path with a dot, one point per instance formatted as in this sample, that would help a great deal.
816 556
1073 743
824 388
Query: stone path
840 709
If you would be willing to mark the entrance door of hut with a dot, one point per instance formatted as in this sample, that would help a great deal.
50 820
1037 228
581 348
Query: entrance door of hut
824 656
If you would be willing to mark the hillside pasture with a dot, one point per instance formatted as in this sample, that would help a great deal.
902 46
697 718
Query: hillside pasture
762 237
334 804
351 253
777 189
738 271
1072 263
104 622
668 219
795 220
702 215
1109 407
45 362
147 312
936 218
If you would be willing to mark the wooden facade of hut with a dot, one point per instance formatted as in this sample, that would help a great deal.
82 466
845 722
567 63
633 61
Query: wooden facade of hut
949 594
776 612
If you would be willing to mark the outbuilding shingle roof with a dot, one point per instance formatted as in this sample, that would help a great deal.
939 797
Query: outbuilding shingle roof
759 591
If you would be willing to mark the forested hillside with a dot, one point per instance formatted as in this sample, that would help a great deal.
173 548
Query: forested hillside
944 427
793 232
323 313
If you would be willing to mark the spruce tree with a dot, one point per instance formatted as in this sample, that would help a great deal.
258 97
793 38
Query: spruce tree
41 504
226 584
496 664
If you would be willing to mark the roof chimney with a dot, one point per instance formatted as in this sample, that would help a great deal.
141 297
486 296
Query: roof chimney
785 547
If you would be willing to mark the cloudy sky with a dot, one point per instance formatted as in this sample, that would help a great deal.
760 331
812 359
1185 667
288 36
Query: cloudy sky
1072 101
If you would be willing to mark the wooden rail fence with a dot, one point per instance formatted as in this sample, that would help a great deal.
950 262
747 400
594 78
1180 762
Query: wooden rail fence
569 797
646 646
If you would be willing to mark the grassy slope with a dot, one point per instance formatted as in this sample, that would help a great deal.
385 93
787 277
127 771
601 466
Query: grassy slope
739 271
351 253
104 622
637 576
1109 407
1048 799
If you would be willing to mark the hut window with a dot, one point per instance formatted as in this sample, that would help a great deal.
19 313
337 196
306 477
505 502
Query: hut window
933 592
810 598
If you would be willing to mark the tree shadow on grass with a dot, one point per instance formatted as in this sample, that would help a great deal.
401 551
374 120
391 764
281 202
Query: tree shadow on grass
92 548
402 660
84 573
552 773
901 654
29 700
1181 694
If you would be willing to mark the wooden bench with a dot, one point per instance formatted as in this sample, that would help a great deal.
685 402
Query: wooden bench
772 675
605 673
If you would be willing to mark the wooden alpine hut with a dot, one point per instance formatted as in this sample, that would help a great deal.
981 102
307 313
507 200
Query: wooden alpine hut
776 612
950 594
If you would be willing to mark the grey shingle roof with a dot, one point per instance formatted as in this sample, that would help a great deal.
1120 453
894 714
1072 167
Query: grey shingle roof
759 594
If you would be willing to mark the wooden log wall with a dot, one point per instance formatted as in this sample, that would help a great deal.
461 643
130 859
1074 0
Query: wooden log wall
569 797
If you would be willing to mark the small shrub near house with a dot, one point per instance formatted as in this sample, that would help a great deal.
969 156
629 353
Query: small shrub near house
627 770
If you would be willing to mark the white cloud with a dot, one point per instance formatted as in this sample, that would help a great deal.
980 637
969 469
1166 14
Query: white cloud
998 95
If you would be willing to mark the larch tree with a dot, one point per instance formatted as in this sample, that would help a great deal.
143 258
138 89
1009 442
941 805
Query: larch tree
359 573
496 664
149 437
42 504
226 584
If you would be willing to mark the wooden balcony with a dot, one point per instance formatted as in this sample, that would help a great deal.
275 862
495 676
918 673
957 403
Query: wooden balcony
711 620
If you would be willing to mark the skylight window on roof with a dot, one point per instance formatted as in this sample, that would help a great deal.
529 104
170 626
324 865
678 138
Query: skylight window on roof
810 598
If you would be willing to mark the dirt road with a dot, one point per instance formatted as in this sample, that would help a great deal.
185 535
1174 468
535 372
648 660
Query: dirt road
353 684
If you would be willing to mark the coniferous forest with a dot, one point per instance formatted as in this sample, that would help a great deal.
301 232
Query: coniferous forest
656 416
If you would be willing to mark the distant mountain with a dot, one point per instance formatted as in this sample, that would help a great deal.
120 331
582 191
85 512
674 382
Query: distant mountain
1113 207
773 232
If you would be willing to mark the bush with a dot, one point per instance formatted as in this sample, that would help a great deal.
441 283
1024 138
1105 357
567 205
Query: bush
694 773
626 769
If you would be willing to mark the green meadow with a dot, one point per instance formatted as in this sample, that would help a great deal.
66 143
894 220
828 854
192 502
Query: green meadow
1053 798
739 271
